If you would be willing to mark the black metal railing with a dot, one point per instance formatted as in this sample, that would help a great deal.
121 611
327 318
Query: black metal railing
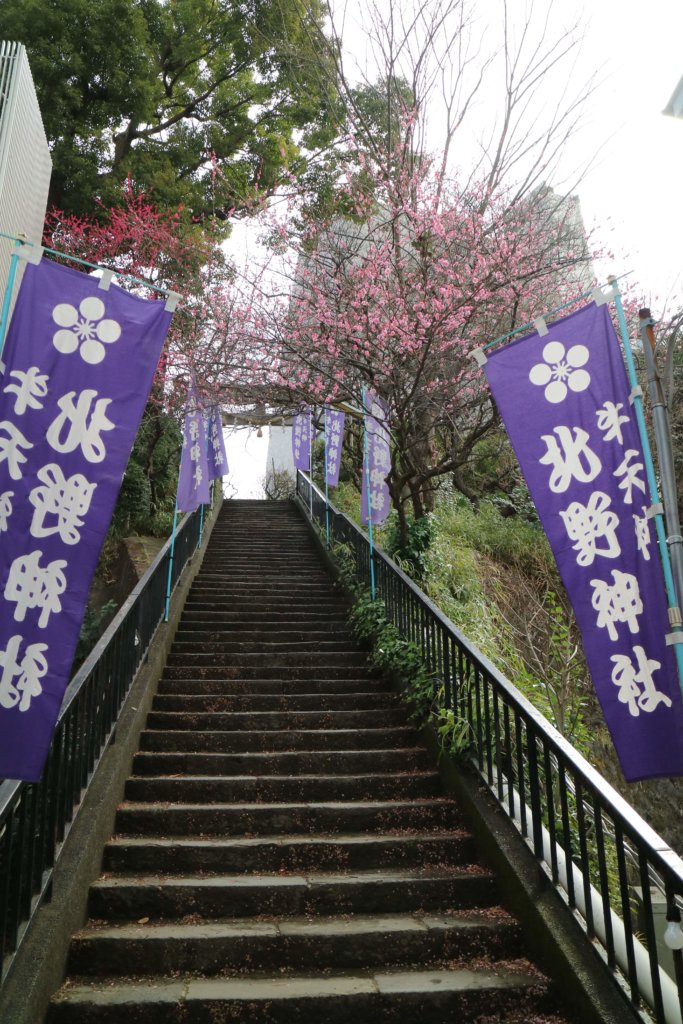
612 870
35 818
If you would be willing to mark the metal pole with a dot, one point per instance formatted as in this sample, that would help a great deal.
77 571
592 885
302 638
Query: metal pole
201 508
170 561
366 460
310 460
327 490
672 600
9 288
662 428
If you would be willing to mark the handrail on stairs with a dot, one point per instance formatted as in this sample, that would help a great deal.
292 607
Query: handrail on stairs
36 818
609 866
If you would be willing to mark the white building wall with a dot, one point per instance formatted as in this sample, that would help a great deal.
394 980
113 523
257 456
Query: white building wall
25 162
280 450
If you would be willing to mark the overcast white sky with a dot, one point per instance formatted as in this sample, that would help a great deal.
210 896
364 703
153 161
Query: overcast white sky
632 195
635 190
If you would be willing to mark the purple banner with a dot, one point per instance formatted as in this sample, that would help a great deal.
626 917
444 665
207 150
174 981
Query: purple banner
334 435
302 430
564 399
378 462
218 461
80 363
193 477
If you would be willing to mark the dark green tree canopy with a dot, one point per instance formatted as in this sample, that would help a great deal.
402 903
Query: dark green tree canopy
202 101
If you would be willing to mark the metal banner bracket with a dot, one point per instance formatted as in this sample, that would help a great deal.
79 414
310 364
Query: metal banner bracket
600 297
30 253
479 356
675 621
106 280
172 300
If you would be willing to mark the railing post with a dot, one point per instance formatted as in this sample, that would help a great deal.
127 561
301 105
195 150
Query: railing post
366 464
534 793
170 562
327 486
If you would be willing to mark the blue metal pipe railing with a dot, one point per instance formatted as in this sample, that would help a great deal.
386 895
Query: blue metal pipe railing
36 818
596 849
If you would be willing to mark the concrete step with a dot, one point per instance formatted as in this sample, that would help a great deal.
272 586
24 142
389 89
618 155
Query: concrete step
260 671
249 789
284 944
257 635
266 648
267 603
280 618
294 588
163 897
211 740
138 819
260 721
413 997
341 762
276 655
255 576
275 702
273 687
283 852
239 563
258 572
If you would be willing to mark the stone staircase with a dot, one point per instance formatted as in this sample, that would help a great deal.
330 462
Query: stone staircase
285 851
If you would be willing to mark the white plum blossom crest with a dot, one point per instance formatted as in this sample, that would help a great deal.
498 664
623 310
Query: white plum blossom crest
561 370
81 330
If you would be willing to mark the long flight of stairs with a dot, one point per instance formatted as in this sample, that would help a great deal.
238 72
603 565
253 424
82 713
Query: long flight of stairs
285 851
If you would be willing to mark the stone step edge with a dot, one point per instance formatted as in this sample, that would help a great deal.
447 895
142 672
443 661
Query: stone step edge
309 879
346 925
291 838
426 773
341 805
376 752
265 989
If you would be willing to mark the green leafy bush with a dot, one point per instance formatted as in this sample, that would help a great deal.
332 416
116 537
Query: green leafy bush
402 660
411 554
95 621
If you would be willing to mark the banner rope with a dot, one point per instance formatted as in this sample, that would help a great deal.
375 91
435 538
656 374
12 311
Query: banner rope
533 325
94 266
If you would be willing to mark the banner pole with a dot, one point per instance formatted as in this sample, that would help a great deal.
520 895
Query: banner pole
366 460
310 460
9 288
662 429
170 561
672 599
327 492
201 507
